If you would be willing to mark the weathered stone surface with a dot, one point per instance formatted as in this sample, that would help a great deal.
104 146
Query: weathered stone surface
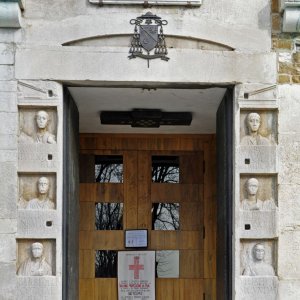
8 141
7 248
38 157
37 287
8 281
289 204
8 156
10 121
32 223
6 72
8 226
289 289
263 224
8 195
76 63
257 159
289 252
8 102
258 287
7 54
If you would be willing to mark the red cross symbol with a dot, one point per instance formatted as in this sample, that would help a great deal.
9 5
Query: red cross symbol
136 267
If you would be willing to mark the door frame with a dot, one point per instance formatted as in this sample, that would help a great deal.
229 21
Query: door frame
71 271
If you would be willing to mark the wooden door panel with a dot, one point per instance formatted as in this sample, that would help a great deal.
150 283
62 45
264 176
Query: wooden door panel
195 194
130 189
86 262
171 192
167 289
144 198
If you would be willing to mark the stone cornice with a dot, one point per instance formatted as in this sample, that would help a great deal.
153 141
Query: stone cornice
10 13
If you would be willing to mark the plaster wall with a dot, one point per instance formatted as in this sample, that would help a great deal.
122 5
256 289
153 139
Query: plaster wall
53 47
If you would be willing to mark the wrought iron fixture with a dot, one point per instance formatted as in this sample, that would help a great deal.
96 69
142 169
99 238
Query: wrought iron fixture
146 118
148 35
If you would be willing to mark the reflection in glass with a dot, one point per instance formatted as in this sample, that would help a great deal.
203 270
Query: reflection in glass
109 168
165 169
109 216
167 264
106 264
165 216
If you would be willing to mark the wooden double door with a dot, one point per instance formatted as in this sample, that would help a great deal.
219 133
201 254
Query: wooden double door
151 172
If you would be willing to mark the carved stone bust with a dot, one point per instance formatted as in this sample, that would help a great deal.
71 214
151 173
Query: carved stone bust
36 264
252 202
254 138
42 135
258 267
43 201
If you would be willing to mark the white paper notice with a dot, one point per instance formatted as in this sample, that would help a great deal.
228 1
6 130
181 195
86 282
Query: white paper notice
136 275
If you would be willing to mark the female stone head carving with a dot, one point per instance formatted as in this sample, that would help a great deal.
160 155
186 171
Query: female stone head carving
42 119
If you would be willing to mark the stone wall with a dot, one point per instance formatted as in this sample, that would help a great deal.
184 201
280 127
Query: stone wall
285 45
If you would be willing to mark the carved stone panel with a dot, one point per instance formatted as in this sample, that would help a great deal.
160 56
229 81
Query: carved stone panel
37 191
258 192
37 157
38 287
258 258
258 128
41 223
37 125
259 224
258 288
253 159
36 258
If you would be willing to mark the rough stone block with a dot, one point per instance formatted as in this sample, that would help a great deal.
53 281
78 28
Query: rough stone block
7 248
289 204
254 159
9 123
289 253
7 54
258 288
8 156
8 187
289 289
8 102
8 226
289 107
8 142
6 72
282 78
259 224
8 281
33 223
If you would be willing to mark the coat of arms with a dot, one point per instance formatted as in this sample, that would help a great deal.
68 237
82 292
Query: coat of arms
148 35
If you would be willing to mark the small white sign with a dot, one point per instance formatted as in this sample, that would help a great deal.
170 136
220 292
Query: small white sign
136 238
136 275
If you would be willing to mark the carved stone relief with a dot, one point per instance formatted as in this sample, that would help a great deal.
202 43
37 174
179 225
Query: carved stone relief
37 192
258 129
258 192
257 258
37 126
36 258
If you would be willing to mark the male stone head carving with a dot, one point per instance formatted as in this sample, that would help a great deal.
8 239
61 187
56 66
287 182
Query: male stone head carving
252 202
43 201
42 121
254 138
35 265
257 267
